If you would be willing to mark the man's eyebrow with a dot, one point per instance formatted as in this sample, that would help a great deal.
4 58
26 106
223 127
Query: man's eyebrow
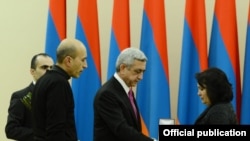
45 66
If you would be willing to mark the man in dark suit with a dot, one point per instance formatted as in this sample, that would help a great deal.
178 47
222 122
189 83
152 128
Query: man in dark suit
19 126
116 118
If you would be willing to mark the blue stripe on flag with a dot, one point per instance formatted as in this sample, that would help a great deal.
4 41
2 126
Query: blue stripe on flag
114 51
52 38
245 111
189 103
218 57
153 90
84 89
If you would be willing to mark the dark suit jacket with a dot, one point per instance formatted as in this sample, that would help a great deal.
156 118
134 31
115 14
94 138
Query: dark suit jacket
19 125
114 118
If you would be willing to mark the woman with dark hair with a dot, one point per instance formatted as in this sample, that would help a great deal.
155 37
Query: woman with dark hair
216 93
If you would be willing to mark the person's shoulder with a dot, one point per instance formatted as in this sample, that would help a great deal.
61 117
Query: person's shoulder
20 93
220 108
49 77
222 105
108 88
55 75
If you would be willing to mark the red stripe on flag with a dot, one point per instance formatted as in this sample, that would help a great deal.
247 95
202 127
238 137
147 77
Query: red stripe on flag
157 21
226 16
87 12
57 7
194 59
195 15
121 23
228 27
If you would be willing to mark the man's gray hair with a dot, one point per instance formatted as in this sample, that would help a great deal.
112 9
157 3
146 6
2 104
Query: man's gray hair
128 56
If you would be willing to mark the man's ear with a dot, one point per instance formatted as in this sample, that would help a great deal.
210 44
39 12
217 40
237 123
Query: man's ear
32 71
122 66
67 60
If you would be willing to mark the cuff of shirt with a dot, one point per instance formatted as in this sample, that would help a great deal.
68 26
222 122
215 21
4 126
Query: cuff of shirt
154 139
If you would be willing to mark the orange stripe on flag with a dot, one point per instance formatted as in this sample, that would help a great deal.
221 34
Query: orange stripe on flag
57 8
144 127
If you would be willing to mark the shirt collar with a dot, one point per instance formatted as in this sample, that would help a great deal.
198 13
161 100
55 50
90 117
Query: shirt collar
119 79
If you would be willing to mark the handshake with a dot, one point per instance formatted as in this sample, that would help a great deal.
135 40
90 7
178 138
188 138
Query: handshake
26 100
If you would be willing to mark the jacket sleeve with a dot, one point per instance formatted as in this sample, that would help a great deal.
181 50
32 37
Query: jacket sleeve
15 127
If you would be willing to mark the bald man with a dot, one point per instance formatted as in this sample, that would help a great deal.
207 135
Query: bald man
52 100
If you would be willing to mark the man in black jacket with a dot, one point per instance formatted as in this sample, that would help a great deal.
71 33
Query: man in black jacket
52 101
19 126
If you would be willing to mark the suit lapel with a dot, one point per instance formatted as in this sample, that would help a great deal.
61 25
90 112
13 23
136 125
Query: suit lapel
124 96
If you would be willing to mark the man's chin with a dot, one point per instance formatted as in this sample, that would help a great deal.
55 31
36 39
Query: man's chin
76 76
